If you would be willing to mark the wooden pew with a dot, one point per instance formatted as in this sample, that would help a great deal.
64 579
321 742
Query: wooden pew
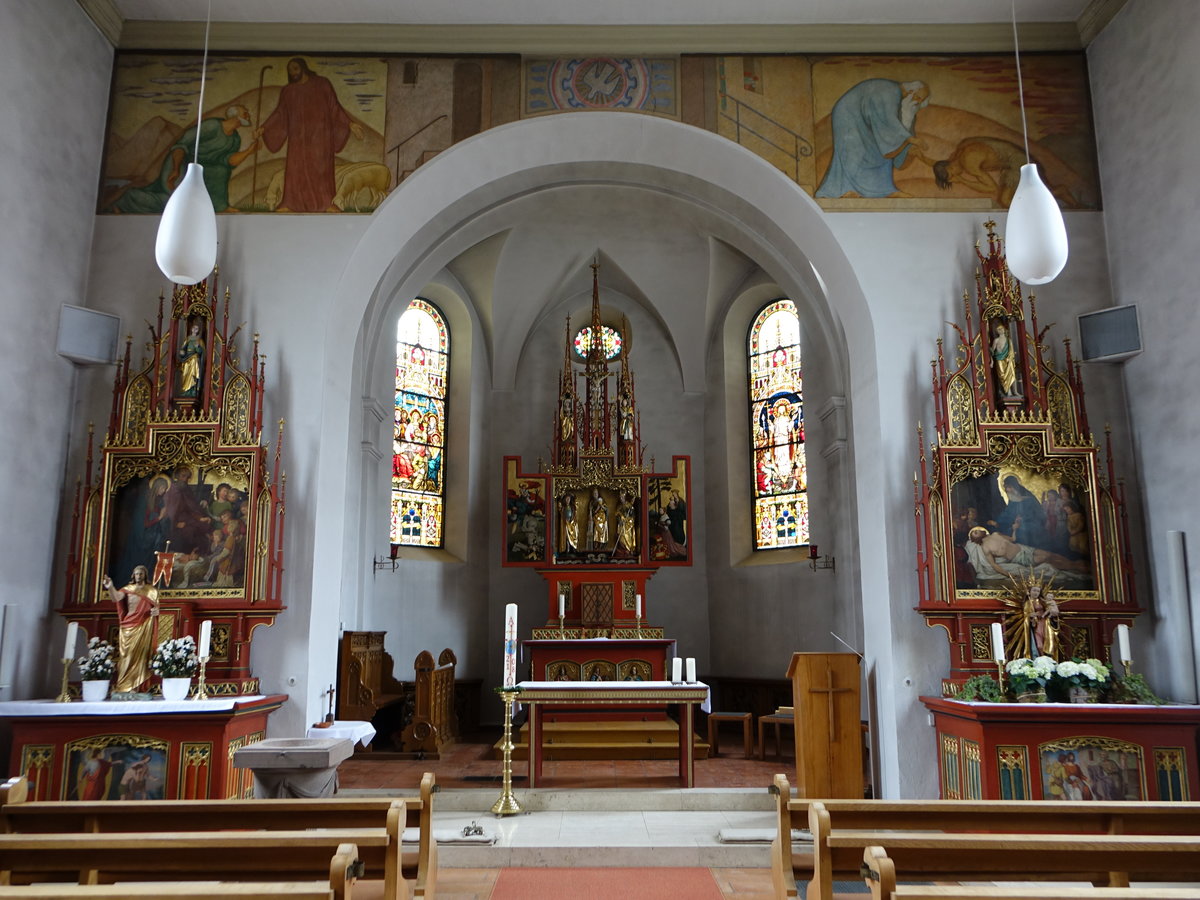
876 864
434 723
366 686
1019 816
163 858
183 890
1021 857
419 865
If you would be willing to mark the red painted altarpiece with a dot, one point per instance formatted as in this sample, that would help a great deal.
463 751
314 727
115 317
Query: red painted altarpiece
184 485
1012 495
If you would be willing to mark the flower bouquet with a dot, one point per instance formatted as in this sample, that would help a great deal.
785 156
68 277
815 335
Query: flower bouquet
1027 678
99 664
175 658
1081 681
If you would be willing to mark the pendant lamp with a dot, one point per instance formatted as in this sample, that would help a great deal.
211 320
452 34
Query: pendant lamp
186 248
1035 237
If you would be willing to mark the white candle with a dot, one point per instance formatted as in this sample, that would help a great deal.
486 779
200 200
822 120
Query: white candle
677 670
638 607
1123 643
998 642
72 636
691 670
510 645
205 638
562 606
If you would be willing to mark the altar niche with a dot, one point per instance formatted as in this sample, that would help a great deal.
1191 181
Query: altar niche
185 489
1012 494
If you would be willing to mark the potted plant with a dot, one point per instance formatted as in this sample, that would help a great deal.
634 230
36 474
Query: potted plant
175 662
1132 689
96 670
1027 678
983 688
1081 680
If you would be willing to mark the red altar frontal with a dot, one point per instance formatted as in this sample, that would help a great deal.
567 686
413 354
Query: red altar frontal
151 749
1065 751
617 659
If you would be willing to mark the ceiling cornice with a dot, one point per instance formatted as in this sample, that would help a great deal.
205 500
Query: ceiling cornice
106 17
1096 16
665 40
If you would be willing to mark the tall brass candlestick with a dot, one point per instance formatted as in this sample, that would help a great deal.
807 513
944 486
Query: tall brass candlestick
639 626
560 623
64 696
507 805
201 690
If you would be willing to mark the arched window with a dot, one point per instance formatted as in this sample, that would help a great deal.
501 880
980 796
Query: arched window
419 435
777 428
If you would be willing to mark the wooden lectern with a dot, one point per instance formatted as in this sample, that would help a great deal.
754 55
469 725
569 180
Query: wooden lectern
826 713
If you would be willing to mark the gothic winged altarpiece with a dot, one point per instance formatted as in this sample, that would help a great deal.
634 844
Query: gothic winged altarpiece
596 522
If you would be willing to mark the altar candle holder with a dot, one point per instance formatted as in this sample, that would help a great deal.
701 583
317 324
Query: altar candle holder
639 626
507 805
561 626
64 696
201 690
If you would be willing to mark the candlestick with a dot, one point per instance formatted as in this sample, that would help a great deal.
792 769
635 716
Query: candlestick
690 665
64 696
510 645
205 639
997 642
72 637
507 805
1123 645
676 670
639 626
201 689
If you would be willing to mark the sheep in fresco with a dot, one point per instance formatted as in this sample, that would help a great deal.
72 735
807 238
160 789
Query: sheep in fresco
358 186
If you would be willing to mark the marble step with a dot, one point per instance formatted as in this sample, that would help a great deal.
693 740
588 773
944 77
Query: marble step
480 800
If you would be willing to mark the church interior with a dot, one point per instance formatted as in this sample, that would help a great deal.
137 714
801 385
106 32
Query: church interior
557 342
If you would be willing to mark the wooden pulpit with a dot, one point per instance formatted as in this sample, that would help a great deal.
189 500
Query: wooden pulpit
826 713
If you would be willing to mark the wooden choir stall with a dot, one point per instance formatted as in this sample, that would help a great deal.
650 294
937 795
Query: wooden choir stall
186 495
1023 555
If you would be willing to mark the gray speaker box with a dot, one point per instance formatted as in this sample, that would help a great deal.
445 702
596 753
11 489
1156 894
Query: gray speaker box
1110 335
87 337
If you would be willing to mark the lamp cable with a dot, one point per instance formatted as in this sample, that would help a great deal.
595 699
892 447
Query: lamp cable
1020 83
204 78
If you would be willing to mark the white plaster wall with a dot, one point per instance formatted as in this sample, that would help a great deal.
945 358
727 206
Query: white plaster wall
54 66
1146 90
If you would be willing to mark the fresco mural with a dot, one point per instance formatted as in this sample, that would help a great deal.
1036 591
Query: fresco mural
336 134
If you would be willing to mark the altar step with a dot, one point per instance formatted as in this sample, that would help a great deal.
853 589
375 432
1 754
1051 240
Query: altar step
604 740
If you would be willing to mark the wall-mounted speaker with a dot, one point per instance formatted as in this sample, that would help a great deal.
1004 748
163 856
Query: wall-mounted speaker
87 337
1110 335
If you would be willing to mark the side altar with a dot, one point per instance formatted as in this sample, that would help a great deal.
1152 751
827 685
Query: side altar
183 504
1024 561
596 523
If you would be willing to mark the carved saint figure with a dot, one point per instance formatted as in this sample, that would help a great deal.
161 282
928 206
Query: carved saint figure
1042 620
191 362
137 607
569 542
626 525
1006 363
597 529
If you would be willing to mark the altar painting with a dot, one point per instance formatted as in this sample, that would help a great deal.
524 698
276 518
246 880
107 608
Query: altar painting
1013 523
525 516
669 523
199 517
115 767
1092 768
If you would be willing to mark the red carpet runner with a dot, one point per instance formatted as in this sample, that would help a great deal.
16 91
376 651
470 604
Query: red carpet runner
605 884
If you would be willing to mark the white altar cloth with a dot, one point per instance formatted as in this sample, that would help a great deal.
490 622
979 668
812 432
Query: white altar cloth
15 708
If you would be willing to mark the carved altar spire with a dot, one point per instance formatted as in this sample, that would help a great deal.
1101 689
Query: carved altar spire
566 432
599 438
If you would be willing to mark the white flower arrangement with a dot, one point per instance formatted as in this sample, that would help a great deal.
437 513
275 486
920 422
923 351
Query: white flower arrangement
99 663
1025 674
175 658
1091 673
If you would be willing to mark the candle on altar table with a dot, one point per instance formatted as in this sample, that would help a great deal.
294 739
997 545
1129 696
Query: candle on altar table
638 607
562 606
677 670
72 636
1123 643
510 645
997 642
691 670
205 638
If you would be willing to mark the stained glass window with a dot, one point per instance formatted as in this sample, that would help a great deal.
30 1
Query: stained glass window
419 435
610 337
777 428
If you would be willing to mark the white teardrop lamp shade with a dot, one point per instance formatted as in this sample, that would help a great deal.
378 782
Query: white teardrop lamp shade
1035 238
186 248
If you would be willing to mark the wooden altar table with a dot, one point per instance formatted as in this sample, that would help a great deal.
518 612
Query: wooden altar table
544 696
72 751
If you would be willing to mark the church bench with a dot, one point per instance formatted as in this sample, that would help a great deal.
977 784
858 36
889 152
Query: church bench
434 722
367 689
1032 892
1018 816
183 890
1110 858
412 814
167 858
